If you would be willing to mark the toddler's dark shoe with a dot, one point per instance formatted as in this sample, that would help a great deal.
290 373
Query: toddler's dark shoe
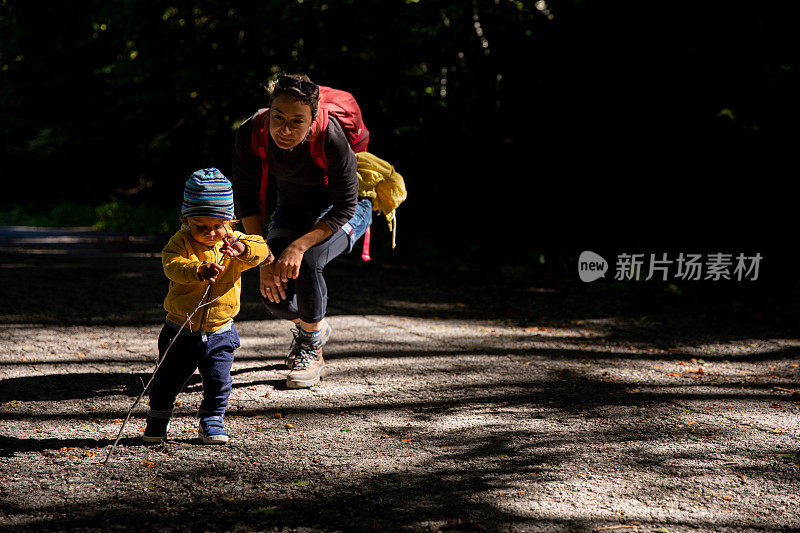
156 429
212 431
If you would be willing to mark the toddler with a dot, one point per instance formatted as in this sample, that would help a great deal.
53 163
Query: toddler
206 251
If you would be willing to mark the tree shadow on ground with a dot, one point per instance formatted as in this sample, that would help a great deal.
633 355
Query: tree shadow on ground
76 386
470 479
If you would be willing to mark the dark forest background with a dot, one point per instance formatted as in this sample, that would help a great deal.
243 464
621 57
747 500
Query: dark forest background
518 125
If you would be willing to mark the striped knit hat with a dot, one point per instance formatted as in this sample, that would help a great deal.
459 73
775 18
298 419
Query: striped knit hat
208 193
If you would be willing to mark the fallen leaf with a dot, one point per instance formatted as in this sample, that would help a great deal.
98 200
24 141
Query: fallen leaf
288 426
347 429
405 440
673 374
744 481
303 483
698 371
384 436
690 422
148 464
81 355
277 415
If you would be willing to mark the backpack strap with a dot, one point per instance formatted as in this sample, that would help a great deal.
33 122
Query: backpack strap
259 141
365 247
317 137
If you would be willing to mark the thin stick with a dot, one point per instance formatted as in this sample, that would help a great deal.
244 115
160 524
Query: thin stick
158 365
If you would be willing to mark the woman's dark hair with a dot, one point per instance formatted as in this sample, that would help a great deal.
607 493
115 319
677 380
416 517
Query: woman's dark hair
298 87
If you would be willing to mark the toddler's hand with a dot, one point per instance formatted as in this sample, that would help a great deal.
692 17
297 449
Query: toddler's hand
232 247
210 271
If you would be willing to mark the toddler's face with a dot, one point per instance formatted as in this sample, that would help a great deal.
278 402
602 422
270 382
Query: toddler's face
208 230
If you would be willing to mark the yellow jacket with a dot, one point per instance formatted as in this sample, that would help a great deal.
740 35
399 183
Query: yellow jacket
182 256
378 180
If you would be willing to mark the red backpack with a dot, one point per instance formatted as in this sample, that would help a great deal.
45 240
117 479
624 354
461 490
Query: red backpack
341 105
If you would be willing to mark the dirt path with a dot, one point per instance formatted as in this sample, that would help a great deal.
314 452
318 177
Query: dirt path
561 410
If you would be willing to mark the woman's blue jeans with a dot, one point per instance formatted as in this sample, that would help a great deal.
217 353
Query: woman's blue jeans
307 296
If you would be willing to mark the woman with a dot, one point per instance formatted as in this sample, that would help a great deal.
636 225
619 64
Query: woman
313 222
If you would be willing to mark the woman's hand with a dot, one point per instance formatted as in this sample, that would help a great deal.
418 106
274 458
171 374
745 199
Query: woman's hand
270 289
288 264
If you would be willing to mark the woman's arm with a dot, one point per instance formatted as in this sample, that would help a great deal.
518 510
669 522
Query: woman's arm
271 287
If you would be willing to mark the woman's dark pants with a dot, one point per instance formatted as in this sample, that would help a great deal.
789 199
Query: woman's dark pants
307 296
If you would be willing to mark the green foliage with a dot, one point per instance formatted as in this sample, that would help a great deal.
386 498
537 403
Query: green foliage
59 215
113 215
100 97
117 215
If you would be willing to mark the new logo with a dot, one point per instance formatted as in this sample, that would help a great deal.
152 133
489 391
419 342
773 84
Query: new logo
591 266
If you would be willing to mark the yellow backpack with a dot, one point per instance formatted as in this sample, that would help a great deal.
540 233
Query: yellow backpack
378 180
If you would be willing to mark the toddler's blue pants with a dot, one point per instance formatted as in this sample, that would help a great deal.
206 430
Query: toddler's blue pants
211 354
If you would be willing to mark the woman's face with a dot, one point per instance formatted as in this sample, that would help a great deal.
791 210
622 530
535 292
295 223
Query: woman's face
289 121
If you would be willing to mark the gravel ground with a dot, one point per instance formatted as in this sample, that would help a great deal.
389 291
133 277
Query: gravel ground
565 408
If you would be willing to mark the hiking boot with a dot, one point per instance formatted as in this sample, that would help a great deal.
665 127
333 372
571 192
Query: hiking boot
308 367
212 431
295 347
156 429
